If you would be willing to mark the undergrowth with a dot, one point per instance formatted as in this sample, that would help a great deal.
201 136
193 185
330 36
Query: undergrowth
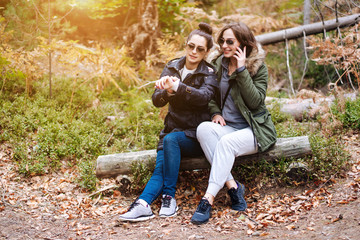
47 133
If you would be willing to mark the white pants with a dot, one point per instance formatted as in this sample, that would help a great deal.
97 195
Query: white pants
221 145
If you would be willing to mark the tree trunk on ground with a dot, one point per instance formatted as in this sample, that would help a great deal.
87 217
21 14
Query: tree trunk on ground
117 164
310 29
311 106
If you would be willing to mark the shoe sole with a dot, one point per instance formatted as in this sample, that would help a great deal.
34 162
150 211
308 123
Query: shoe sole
199 223
173 215
139 219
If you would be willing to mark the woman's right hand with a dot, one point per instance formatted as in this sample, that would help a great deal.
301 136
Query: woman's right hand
219 119
166 83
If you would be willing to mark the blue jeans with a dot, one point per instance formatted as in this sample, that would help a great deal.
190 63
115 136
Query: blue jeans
164 178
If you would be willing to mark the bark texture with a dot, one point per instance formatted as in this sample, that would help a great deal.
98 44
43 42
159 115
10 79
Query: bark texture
309 29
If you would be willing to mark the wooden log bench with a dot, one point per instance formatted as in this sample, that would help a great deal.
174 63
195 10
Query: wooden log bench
120 164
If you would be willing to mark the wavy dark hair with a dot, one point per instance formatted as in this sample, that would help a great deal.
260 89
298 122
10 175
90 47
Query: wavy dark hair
205 30
243 34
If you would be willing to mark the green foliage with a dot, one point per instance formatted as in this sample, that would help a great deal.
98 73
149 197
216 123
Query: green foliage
328 156
76 94
278 116
141 174
129 11
99 9
12 81
350 116
141 125
291 128
87 179
29 19
263 172
167 12
321 75
46 133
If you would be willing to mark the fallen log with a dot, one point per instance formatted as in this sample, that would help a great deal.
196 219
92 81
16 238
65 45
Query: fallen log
310 107
309 29
117 164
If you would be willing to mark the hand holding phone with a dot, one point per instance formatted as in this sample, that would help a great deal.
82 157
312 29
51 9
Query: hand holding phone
240 56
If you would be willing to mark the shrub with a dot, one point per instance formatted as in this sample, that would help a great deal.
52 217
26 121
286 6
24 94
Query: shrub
328 156
350 116
87 178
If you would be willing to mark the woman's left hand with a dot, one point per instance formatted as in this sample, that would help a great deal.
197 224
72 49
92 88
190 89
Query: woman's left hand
240 56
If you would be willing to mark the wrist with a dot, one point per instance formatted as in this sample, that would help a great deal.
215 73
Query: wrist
175 86
213 115
240 69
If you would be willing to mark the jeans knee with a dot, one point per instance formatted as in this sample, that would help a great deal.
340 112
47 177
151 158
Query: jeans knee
170 139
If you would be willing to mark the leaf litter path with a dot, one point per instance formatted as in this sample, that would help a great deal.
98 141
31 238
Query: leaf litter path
53 207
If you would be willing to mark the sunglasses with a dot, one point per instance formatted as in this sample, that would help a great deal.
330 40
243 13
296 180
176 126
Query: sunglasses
228 41
199 49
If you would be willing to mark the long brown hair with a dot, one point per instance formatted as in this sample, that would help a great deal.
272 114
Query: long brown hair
243 34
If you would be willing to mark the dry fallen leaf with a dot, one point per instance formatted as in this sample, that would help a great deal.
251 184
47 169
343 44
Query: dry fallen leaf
290 227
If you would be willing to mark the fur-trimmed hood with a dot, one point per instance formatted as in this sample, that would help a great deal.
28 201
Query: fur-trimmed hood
253 62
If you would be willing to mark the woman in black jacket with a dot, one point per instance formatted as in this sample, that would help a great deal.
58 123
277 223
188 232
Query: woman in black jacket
187 84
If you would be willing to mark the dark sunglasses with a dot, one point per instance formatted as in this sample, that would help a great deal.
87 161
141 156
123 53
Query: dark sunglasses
199 49
228 41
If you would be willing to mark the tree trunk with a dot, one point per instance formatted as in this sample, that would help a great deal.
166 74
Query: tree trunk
116 164
307 12
310 29
142 36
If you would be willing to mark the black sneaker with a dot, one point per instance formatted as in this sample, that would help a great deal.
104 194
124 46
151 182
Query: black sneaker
238 202
202 213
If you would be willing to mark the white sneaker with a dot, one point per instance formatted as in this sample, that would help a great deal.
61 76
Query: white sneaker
139 211
168 206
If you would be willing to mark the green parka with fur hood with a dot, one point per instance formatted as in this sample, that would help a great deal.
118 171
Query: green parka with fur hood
248 92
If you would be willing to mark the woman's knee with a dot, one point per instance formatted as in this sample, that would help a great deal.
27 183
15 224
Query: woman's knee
202 131
227 143
170 138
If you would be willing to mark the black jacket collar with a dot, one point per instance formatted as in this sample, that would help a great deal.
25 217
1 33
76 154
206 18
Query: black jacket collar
179 63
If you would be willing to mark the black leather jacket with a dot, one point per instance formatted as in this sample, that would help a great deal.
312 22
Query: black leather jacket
188 107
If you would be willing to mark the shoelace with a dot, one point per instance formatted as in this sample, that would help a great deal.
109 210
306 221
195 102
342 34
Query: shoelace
203 206
166 201
233 195
133 205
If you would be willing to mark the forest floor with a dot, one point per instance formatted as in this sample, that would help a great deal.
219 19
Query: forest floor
53 207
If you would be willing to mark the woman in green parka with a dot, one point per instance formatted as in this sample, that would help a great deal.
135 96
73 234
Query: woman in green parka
241 124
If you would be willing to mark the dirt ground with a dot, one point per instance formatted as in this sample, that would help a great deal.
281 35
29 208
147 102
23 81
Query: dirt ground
53 207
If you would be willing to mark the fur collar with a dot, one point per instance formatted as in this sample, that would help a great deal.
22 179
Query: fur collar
255 60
